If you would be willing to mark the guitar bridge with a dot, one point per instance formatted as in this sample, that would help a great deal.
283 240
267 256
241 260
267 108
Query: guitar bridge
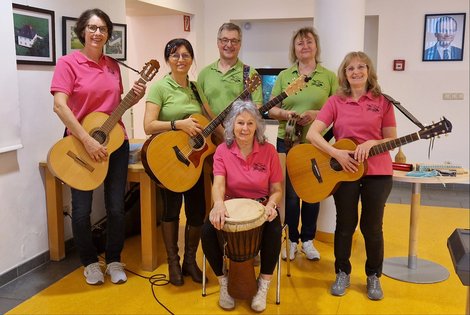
180 156
81 162
316 171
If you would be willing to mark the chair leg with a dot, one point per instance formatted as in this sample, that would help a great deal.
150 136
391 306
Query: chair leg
204 261
278 282
286 229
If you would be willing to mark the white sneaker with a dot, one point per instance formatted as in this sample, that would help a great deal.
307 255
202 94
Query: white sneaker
116 271
310 251
292 249
226 302
93 274
258 303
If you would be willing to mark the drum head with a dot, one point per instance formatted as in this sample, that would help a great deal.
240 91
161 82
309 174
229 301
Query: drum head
244 214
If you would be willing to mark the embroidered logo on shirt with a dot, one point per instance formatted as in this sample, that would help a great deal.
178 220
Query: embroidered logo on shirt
316 82
259 167
373 108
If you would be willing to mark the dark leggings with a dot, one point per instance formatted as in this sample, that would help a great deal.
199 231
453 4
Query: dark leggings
269 250
373 192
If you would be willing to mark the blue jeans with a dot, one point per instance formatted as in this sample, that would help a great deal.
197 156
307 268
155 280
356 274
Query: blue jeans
373 192
307 212
114 191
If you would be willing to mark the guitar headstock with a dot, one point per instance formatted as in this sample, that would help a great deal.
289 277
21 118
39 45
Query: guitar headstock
442 127
150 70
252 83
297 85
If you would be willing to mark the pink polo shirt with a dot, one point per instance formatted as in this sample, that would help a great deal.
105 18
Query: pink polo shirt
250 178
91 87
361 120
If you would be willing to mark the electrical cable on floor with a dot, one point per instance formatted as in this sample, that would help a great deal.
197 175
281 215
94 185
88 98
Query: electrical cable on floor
156 280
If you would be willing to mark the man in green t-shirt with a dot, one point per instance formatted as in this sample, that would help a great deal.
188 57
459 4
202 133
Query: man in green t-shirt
223 81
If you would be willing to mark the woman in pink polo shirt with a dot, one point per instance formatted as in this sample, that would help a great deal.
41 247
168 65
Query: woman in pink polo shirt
87 81
359 112
245 166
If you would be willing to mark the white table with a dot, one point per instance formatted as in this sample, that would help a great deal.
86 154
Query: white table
412 268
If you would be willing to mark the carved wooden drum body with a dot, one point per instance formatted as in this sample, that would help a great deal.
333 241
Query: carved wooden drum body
242 233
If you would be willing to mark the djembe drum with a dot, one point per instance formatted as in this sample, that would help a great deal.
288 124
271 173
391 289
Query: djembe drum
242 233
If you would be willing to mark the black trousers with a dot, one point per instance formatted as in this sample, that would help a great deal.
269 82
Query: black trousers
269 249
194 204
373 192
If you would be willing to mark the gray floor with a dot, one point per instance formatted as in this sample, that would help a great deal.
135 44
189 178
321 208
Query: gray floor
32 282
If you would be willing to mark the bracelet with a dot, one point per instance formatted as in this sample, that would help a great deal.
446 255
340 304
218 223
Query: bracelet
275 205
173 126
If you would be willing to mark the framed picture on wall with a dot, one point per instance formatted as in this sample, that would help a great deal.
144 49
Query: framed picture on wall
116 46
70 41
34 33
444 35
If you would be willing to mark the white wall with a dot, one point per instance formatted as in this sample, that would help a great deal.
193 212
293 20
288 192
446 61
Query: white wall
419 88
23 220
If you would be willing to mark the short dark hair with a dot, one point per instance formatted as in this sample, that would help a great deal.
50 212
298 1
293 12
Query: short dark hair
82 23
174 44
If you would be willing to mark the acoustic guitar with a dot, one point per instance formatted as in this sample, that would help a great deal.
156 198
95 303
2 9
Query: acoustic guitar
315 175
174 159
68 159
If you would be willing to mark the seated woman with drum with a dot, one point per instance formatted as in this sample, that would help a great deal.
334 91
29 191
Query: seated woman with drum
244 219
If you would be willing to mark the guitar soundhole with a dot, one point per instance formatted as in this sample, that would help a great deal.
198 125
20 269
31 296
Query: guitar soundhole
334 164
197 142
99 136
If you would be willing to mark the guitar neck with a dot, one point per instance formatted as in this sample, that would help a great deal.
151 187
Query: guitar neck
278 99
116 115
218 120
392 144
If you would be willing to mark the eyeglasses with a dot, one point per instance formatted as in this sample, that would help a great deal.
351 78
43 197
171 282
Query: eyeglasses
224 41
177 56
360 67
93 28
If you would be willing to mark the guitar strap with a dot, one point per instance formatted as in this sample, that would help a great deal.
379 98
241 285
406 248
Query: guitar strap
404 111
205 108
246 75
408 115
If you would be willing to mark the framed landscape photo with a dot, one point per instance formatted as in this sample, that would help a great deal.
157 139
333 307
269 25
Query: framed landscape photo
116 46
444 35
70 41
34 32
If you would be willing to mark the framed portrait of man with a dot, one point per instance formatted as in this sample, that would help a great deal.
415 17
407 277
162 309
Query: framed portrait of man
444 37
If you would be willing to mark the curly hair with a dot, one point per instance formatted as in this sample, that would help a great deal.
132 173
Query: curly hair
344 88
239 107
82 23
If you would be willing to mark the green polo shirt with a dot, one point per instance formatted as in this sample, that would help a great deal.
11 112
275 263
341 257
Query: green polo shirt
176 102
322 85
222 88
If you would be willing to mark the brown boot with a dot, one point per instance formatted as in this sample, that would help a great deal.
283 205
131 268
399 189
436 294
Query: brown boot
192 235
170 237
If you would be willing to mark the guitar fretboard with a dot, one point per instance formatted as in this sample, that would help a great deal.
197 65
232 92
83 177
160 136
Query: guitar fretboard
125 104
392 144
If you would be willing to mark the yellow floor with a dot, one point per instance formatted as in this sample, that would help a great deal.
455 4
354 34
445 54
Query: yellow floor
305 292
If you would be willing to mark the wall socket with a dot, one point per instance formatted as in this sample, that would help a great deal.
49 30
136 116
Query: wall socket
452 96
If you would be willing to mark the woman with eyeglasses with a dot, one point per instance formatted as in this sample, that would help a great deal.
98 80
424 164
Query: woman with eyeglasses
359 112
87 81
298 111
169 103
